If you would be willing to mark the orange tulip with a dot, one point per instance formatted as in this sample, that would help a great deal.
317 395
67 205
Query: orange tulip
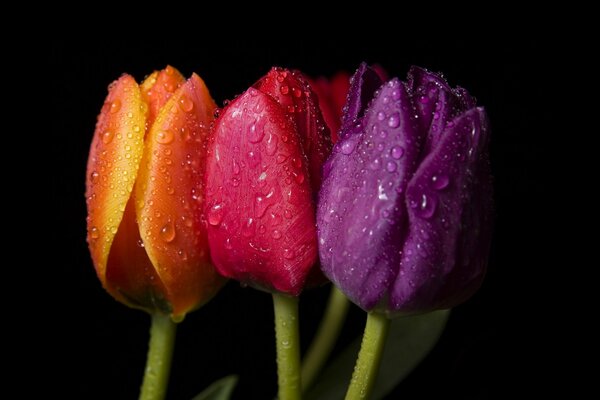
145 190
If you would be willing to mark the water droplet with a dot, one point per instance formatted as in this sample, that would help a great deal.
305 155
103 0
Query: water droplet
94 177
236 167
297 162
299 178
253 158
284 89
186 104
348 146
182 254
261 203
115 106
375 164
394 120
288 254
165 137
297 92
107 137
167 232
391 166
228 244
397 152
440 182
262 229
235 182
396 94
248 228
140 243
271 144
427 206
94 233
287 214
380 115
215 215
281 158
256 132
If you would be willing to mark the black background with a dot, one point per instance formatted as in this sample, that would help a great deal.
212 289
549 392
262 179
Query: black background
103 344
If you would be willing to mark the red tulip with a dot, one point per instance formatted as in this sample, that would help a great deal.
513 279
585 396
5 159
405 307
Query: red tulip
263 174
332 97
144 193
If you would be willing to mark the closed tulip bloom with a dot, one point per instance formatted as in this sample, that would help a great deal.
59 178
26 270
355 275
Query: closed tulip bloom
263 175
404 214
144 193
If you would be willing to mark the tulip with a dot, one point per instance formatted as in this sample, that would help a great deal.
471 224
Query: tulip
263 173
404 213
332 97
145 195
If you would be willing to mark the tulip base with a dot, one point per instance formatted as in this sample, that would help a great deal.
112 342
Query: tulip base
325 338
287 339
160 354
369 357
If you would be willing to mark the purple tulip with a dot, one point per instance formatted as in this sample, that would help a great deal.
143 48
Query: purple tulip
405 210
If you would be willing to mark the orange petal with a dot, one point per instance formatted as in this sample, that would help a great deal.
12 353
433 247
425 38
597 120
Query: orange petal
158 88
130 276
170 194
113 163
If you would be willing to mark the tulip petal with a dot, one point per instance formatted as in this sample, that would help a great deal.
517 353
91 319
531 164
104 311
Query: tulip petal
158 88
436 102
259 208
292 91
113 163
363 85
332 97
170 197
446 250
362 218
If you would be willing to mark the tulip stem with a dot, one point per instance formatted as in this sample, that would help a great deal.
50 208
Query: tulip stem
287 339
327 334
160 353
369 357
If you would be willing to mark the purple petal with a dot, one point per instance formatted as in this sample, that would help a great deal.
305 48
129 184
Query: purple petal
362 219
449 206
436 102
363 85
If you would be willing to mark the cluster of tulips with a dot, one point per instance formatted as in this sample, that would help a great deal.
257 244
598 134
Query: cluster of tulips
381 187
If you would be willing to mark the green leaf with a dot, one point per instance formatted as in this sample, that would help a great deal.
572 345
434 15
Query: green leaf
219 390
410 339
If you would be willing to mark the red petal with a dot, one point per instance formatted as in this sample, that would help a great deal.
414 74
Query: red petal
260 212
292 91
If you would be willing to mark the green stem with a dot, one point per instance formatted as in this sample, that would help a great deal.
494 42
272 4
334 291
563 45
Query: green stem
369 357
287 337
158 362
327 334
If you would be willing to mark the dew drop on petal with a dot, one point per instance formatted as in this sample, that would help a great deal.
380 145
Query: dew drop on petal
215 215
440 182
167 232
186 104
107 137
394 120
397 152
115 106
164 137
